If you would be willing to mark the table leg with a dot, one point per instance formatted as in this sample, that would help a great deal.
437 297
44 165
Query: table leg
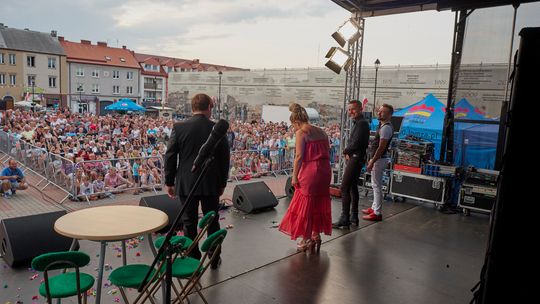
100 271
74 245
124 258
151 243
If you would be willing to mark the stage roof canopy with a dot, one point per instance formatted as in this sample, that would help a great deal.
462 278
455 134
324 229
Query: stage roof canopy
371 8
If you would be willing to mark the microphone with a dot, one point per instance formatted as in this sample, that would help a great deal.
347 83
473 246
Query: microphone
218 132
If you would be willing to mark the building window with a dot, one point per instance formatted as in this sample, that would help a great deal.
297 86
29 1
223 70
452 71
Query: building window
122 59
31 61
2 79
2 58
95 88
150 95
80 72
52 82
31 80
52 63
95 73
129 90
80 87
12 59
115 74
116 89
147 67
130 75
83 107
12 79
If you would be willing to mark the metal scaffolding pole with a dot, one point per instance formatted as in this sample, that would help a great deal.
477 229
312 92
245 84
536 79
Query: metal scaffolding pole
352 90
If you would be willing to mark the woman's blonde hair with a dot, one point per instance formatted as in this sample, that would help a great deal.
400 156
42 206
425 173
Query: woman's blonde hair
298 113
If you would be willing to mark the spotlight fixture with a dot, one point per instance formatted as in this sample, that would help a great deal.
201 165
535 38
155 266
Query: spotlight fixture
348 32
338 59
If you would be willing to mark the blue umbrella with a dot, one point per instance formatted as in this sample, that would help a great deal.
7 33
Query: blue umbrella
125 105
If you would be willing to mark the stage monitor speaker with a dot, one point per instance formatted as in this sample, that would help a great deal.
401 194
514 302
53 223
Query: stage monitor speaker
24 238
253 197
163 202
289 188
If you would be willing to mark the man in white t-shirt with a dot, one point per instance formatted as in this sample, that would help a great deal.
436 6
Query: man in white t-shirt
379 161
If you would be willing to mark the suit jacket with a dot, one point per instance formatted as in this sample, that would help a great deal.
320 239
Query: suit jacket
187 137
359 138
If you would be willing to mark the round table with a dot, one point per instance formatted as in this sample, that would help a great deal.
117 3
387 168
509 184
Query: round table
110 223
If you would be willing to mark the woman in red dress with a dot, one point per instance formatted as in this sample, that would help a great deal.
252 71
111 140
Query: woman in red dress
309 212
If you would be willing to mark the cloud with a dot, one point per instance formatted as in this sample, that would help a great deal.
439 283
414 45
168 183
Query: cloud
245 33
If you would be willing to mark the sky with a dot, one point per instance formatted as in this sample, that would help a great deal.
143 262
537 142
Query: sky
251 34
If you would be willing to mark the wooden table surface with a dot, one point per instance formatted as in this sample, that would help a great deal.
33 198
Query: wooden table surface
110 223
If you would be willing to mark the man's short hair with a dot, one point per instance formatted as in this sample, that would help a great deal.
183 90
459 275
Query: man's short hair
356 101
389 107
201 102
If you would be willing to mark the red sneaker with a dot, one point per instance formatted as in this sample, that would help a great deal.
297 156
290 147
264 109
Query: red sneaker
373 217
367 211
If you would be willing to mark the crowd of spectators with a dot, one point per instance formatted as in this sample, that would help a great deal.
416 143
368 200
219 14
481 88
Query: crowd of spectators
260 149
98 156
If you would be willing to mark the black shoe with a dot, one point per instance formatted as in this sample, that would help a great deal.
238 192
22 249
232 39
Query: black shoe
354 219
343 222
216 263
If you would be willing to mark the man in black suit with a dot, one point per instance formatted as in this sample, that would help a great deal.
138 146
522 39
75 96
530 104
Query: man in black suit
355 154
187 137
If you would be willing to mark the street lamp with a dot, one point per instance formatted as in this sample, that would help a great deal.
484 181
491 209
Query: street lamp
219 95
377 65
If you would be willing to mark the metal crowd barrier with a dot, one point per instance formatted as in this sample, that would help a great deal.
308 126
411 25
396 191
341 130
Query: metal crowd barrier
153 179
280 163
49 166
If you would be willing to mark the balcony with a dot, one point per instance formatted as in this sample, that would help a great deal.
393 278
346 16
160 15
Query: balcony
155 87
148 102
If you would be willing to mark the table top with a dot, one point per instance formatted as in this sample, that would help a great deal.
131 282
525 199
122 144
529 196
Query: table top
111 223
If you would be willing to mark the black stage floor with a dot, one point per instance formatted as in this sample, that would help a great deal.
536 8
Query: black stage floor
416 255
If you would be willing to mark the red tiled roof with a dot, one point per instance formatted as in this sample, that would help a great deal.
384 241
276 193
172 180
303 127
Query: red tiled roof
185 63
153 73
96 54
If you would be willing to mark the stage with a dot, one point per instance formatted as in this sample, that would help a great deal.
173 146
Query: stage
416 255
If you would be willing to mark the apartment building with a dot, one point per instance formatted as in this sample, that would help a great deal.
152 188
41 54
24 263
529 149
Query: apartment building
33 67
100 75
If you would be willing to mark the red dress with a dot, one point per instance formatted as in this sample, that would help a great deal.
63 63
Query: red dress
310 208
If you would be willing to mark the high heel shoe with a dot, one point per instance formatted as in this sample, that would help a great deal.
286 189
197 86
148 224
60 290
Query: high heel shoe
304 245
316 243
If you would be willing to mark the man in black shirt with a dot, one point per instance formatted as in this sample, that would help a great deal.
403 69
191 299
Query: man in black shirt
355 154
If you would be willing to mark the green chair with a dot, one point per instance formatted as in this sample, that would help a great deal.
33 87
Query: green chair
188 243
186 268
131 276
190 269
65 284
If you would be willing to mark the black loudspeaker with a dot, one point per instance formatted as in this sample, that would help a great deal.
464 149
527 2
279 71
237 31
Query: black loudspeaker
253 197
3 105
289 189
24 238
513 230
163 202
